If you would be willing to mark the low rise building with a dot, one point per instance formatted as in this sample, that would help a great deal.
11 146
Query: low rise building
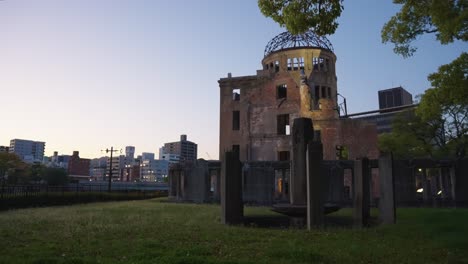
78 168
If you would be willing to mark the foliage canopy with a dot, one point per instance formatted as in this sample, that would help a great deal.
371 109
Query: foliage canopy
298 16
448 19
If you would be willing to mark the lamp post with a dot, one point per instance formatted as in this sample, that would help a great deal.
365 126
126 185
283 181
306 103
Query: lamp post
111 150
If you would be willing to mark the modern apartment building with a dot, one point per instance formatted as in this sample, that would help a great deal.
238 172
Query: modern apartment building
28 150
186 150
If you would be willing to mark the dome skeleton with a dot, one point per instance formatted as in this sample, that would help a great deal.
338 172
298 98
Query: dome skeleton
287 40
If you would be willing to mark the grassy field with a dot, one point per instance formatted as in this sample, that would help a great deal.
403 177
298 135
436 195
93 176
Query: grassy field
152 231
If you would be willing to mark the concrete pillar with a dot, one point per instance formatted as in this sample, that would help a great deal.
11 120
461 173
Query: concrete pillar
387 213
314 185
461 183
172 184
199 182
232 207
426 188
302 133
361 192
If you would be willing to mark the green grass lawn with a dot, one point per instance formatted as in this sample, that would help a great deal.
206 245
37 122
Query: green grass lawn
151 231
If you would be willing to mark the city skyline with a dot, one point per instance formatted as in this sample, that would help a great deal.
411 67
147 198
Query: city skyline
89 75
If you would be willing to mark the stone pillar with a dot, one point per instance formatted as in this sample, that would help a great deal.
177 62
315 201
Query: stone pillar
314 184
232 208
361 192
387 212
172 184
461 183
303 133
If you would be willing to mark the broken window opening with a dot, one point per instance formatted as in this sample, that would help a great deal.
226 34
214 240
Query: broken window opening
295 64
282 121
271 66
288 130
316 97
327 64
321 64
276 66
290 62
324 94
266 66
328 92
284 155
301 63
235 94
281 91
236 150
315 62
235 120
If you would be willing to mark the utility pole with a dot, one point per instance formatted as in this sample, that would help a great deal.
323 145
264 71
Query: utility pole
111 150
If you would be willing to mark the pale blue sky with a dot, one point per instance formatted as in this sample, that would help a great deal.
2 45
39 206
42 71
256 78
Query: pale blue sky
86 75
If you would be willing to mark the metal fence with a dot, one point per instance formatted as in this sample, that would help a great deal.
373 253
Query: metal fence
20 196
8 191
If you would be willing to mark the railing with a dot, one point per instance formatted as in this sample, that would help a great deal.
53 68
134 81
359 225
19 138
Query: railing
20 196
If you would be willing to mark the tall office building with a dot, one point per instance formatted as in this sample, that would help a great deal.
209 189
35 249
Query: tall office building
147 156
28 150
130 152
187 150
394 97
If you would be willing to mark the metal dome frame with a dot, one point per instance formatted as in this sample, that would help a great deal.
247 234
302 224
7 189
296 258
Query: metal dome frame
287 40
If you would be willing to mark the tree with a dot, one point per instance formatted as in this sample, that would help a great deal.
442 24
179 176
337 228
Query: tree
411 137
55 176
298 16
17 170
439 126
446 103
448 19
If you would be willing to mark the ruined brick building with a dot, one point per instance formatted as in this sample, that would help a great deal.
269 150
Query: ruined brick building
298 79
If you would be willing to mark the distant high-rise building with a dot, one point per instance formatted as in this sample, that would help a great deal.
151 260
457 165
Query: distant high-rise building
28 150
394 97
118 164
98 169
154 170
130 152
186 150
147 156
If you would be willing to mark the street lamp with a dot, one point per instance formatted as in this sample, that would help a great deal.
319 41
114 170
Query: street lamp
111 150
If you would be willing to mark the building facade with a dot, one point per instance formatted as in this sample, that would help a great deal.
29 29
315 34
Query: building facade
28 150
154 170
391 102
4 149
394 97
130 152
186 150
78 168
298 79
